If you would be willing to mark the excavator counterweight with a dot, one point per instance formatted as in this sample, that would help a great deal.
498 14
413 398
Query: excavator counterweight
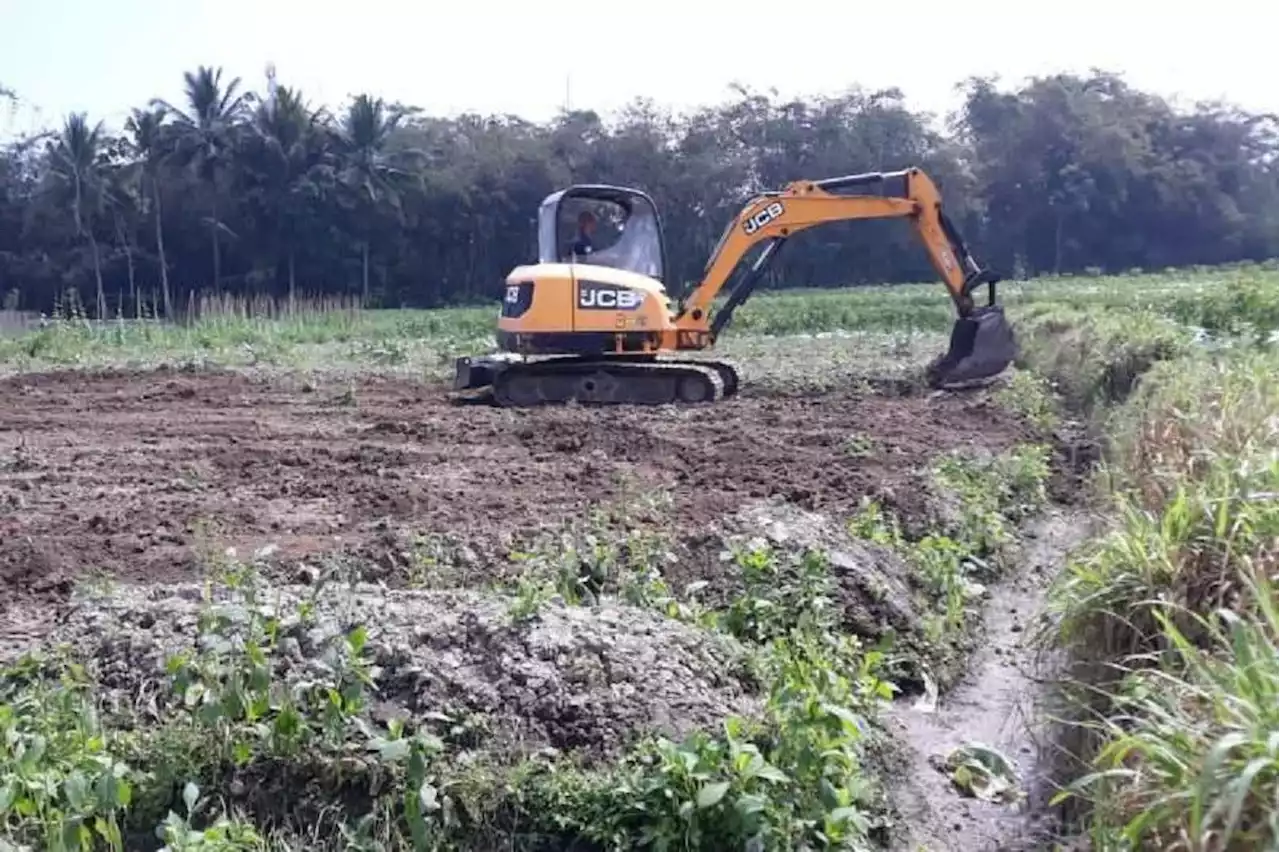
591 320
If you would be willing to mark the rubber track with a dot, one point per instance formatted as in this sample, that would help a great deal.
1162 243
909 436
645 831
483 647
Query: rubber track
722 378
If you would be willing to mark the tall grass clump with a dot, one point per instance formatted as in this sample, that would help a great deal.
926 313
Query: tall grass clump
1169 621
1095 356
233 330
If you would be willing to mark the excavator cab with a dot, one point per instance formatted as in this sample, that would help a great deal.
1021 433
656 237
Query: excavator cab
602 225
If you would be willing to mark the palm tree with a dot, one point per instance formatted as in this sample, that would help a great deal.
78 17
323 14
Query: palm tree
121 193
75 160
204 137
288 167
370 173
148 143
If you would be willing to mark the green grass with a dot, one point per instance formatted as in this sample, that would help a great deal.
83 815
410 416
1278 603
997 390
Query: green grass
332 334
1169 620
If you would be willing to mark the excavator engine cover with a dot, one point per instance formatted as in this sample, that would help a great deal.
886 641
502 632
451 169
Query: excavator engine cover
982 346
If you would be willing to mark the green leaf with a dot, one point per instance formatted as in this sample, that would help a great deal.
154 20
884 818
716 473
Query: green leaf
711 794
105 789
35 751
773 774
357 638
431 744
190 794
843 814
749 764
76 788
393 751
748 804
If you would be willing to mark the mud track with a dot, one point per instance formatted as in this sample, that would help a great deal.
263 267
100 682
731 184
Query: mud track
120 472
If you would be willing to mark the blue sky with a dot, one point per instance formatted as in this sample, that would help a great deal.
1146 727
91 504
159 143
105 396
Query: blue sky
105 56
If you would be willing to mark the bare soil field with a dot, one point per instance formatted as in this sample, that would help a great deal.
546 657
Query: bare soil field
123 472
145 478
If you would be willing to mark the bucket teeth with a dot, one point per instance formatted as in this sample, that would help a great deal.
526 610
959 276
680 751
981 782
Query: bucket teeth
982 346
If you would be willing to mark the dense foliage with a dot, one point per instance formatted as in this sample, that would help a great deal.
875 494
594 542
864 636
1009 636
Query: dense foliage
268 195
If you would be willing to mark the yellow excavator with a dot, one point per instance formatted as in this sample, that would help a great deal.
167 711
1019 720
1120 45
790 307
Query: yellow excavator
591 321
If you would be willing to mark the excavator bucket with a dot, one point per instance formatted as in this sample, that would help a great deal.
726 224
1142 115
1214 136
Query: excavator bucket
982 346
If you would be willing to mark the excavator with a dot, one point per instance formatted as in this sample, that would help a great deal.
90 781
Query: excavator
592 322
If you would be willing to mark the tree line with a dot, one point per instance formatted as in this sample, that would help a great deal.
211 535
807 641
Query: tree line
231 190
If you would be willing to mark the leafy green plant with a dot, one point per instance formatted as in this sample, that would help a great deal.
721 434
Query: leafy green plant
994 491
531 593
782 594
793 780
1031 396
222 835
62 784
230 686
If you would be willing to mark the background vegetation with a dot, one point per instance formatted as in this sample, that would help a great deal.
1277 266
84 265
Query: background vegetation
234 191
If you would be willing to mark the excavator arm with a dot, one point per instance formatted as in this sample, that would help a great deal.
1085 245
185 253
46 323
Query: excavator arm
981 343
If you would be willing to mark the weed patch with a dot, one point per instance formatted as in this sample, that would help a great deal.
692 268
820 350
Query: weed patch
987 497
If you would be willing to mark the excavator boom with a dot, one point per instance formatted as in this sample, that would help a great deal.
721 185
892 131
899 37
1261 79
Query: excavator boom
982 343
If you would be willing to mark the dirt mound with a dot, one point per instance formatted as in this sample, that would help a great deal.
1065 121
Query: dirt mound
137 474
573 678
873 583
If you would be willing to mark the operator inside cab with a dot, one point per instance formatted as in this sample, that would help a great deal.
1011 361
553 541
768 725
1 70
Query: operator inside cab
582 246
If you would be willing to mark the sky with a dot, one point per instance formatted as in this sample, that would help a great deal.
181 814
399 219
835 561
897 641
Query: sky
531 58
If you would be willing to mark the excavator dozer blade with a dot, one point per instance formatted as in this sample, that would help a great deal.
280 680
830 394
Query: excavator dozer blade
982 346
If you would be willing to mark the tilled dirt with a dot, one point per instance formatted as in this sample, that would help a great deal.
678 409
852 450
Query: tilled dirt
133 474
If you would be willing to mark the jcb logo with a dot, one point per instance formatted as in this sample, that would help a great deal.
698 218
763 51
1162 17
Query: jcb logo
757 221
596 297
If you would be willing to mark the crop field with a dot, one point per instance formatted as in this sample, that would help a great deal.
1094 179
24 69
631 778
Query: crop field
265 586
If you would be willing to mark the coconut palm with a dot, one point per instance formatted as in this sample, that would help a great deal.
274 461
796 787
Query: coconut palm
371 174
286 167
75 160
204 135
147 142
